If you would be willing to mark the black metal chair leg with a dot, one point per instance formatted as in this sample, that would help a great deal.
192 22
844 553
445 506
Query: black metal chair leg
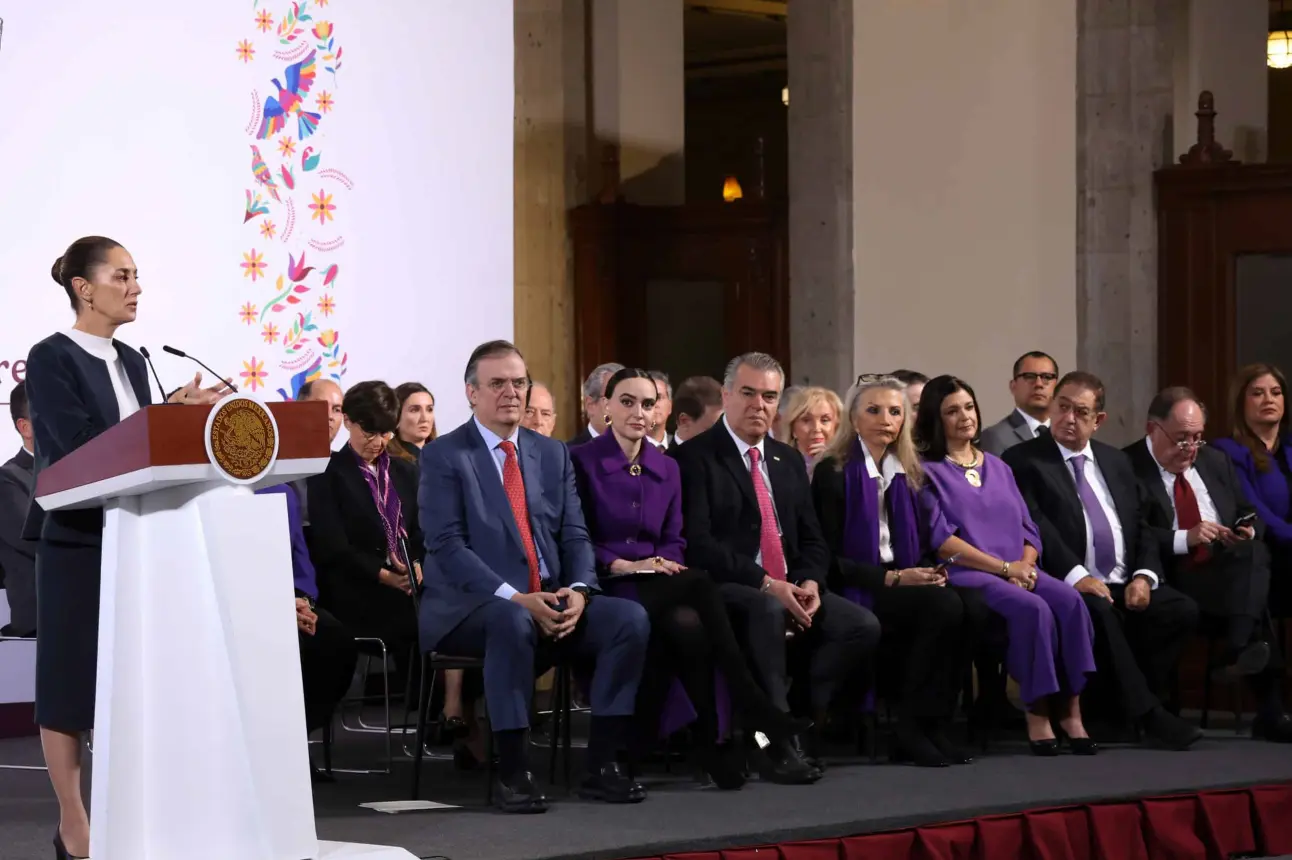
422 704
327 745
554 727
567 706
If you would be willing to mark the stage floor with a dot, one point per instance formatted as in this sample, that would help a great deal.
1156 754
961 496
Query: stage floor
854 797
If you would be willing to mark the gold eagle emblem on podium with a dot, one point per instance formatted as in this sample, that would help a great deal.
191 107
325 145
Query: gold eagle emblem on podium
242 438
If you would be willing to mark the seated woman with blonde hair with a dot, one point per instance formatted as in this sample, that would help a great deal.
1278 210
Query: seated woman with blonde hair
864 489
811 421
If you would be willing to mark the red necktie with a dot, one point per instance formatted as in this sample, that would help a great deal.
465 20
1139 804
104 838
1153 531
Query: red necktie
1187 515
769 541
514 486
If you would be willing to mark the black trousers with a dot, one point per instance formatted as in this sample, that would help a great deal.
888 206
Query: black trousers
690 637
926 629
1137 651
842 635
327 667
1234 586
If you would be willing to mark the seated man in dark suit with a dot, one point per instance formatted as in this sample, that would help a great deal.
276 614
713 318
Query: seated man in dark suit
750 522
510 576
18 556
1085 499
1205 532
594 406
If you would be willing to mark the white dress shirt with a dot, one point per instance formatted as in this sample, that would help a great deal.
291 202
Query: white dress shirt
102 349
743 447
494 443
1095 478
1032 423
1206 507
892 467
592 431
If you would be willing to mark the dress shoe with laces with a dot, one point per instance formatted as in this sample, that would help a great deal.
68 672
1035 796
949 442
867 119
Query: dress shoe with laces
518 794
786 764
612 784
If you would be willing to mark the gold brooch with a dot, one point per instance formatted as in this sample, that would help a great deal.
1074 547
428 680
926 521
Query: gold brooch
635 470
974 479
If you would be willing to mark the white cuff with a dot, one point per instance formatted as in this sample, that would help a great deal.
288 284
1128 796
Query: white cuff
1181 545
1147 574
579 585
1075 575
506 592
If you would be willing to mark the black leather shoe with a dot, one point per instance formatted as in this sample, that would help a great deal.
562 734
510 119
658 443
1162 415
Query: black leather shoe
1277 729
910 745
724 765
612 785
1171 731
1048 748
519 794
60 850
787 765
1083 746
950 752
1252 660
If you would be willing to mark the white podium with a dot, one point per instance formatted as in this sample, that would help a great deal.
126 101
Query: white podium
200 748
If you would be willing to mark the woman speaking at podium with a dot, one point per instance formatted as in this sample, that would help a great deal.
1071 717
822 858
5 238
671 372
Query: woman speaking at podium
80 382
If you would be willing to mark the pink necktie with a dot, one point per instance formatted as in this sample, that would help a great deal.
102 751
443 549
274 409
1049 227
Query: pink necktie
769 541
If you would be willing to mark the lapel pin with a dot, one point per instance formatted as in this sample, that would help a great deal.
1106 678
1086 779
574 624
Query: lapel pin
777 459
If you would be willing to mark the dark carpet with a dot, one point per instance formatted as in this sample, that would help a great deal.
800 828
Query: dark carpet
854 797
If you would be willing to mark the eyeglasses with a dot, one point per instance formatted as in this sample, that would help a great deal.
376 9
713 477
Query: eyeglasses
372 437
869 378
498 386
1032 377
1185 445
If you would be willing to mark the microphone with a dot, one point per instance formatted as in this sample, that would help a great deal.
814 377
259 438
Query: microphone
143 350
179 352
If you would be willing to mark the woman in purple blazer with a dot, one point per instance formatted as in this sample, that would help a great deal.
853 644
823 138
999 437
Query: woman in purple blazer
632 501
1261 450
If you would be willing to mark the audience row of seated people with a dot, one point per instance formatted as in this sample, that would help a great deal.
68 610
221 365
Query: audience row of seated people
758 573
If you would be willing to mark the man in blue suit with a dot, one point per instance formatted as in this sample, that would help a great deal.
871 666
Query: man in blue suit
510 576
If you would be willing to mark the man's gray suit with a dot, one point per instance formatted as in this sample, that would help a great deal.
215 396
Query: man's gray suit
1005 434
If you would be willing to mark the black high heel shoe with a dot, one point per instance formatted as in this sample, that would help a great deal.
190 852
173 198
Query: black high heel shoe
1048 748
60 850
1083 746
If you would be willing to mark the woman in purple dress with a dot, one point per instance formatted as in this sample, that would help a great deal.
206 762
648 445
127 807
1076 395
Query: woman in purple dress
971 508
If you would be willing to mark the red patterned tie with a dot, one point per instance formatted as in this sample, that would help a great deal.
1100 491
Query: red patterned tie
514 486
1188 515
769 541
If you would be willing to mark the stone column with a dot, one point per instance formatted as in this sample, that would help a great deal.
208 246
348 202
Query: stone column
822 295
1220 46
550 179
1124 115
639 95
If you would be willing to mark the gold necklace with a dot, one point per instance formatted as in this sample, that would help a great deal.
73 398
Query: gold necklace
971 468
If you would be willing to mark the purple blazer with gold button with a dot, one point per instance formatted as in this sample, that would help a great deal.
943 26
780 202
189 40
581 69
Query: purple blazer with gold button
629 516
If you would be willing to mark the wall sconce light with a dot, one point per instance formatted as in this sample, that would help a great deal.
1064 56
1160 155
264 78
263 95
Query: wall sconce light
785 96
731 190
1278 49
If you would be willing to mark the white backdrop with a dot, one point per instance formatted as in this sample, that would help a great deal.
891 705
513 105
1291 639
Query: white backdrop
136 121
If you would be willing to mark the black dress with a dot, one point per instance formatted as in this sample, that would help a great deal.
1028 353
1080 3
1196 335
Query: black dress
71 400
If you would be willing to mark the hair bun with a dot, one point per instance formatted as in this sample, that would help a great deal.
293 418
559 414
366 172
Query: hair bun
57 272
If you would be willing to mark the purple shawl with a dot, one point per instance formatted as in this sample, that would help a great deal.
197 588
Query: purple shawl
861 515
387 501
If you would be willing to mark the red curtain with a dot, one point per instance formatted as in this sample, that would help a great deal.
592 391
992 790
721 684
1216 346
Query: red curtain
1213 825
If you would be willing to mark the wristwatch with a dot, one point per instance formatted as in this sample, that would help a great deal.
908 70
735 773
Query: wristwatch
585 591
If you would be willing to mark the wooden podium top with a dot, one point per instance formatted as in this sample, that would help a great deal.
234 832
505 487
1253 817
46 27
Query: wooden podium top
165 445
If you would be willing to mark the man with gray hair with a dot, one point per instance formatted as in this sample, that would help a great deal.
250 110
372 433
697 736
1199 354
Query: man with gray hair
658 434
594 407
750 522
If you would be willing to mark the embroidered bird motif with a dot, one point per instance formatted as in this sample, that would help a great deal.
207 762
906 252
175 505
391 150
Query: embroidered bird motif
290 100
261 172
